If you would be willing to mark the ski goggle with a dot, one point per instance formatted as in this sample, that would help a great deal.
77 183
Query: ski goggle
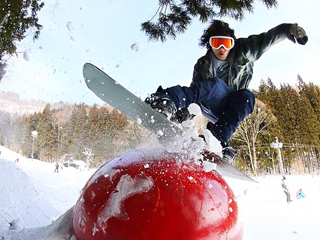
221 41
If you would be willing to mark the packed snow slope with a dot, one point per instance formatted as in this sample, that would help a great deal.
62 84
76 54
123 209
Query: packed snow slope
33 196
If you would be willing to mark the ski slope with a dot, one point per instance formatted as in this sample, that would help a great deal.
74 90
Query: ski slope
33 197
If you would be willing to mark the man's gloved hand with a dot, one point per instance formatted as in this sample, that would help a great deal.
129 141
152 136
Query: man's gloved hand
298 33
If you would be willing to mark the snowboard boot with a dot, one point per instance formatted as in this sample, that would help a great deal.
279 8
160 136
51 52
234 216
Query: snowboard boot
161 102
228 153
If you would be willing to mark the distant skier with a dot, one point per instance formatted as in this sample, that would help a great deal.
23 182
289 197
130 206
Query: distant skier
285 190
221 79
300 194
57 168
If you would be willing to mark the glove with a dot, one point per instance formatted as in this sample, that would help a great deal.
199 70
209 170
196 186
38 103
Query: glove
298 33
161 102
182 115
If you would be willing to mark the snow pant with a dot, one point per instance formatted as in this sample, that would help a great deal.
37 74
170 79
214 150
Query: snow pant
225 107
286 191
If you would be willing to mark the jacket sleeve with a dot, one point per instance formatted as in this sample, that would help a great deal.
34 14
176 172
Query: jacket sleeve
255 45
197 71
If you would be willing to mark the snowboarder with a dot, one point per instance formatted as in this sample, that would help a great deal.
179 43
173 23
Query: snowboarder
285 190
221 79
57 168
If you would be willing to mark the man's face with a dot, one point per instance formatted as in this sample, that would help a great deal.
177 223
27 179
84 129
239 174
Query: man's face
221 46
221 53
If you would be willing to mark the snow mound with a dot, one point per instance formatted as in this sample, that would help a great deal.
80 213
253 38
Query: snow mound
22 197
33 196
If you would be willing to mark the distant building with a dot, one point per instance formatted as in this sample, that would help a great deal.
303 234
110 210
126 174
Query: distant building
67 160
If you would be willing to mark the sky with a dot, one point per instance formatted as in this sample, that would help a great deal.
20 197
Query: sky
102 31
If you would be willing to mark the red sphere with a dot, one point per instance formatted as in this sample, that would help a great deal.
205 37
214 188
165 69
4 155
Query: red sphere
158 195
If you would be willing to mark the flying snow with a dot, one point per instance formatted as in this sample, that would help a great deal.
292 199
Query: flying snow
209 166
160 133
194 109
26 56
70 26
213 143
188 123
135 47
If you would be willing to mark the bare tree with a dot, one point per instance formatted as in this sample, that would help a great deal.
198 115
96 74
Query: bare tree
251 127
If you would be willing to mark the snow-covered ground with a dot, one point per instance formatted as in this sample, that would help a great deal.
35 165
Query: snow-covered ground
33 196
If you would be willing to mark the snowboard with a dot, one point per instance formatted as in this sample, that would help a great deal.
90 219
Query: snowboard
111 92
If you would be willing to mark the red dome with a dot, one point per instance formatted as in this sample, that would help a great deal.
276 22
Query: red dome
158 195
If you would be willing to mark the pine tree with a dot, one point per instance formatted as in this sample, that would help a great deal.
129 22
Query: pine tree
269 94
174 16
287 113
16 17
311 92
307 117
93 120
47 135
80 132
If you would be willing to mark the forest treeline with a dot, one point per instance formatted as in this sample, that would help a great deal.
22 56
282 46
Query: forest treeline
292 114
70 129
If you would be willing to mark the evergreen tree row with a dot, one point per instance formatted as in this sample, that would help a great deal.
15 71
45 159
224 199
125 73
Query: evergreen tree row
292 114
70 130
